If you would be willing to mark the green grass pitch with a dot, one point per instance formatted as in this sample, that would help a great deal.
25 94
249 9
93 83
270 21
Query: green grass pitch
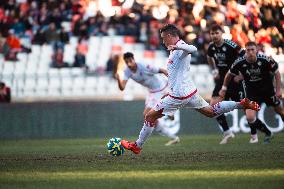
196 162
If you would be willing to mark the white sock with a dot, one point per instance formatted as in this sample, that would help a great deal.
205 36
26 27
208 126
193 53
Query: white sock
162 130
225 106
254 136
144 134
227 132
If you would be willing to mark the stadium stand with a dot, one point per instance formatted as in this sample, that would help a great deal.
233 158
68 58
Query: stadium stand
99 35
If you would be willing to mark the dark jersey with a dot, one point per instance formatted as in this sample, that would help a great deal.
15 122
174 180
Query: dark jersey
224 56
258 76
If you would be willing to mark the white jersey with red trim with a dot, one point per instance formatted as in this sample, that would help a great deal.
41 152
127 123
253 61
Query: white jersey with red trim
178 67
147 75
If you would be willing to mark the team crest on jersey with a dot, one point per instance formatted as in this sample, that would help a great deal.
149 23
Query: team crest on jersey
224 48
259 63
244 65
213 48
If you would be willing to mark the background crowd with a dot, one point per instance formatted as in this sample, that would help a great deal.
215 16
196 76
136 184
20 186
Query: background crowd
26 22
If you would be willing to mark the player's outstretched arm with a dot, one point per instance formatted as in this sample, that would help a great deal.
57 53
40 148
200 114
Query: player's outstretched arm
185 47
226 82
163 71
121 83
213 66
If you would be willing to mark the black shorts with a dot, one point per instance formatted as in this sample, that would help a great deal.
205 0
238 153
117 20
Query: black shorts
269 100
234 92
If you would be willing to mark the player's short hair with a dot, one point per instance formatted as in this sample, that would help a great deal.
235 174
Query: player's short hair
128 55
250 43
171 29
216 27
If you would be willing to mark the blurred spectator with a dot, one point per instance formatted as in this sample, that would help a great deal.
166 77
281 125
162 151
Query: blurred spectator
80 59
78 21
2 43
100 24
81 52
262 20
52 36
238 35
92 28
266 14
66 13
82 46
18 27
39 37
232 12
276 39
64 36
262 36
57 59
253 15
56 18
13 46
5 93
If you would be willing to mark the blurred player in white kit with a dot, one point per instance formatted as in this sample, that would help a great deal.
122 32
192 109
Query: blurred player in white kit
156 81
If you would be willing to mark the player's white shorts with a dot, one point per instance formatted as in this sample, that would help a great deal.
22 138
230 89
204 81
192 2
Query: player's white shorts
169 105
153 98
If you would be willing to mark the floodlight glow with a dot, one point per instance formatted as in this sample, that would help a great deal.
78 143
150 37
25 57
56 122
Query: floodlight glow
160 12
227 29
128 4
91 9
106 8
203 24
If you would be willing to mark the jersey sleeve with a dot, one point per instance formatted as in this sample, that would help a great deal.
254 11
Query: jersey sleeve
235 68
210 51
150 68
187 48
126 74
273 65
242 52
237 48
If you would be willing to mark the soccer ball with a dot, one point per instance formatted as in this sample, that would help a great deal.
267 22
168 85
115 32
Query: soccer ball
114 147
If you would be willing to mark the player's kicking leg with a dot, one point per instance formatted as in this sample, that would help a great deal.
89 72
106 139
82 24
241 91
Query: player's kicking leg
227 106
150 123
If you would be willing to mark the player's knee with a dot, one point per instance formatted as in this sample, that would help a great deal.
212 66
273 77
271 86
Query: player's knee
150 120
251 119
212 115
144 114
149 117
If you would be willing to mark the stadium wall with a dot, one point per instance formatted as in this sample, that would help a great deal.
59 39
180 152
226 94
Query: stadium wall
101 119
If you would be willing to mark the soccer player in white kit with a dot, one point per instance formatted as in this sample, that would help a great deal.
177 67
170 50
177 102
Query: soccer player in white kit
183 92
155 80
